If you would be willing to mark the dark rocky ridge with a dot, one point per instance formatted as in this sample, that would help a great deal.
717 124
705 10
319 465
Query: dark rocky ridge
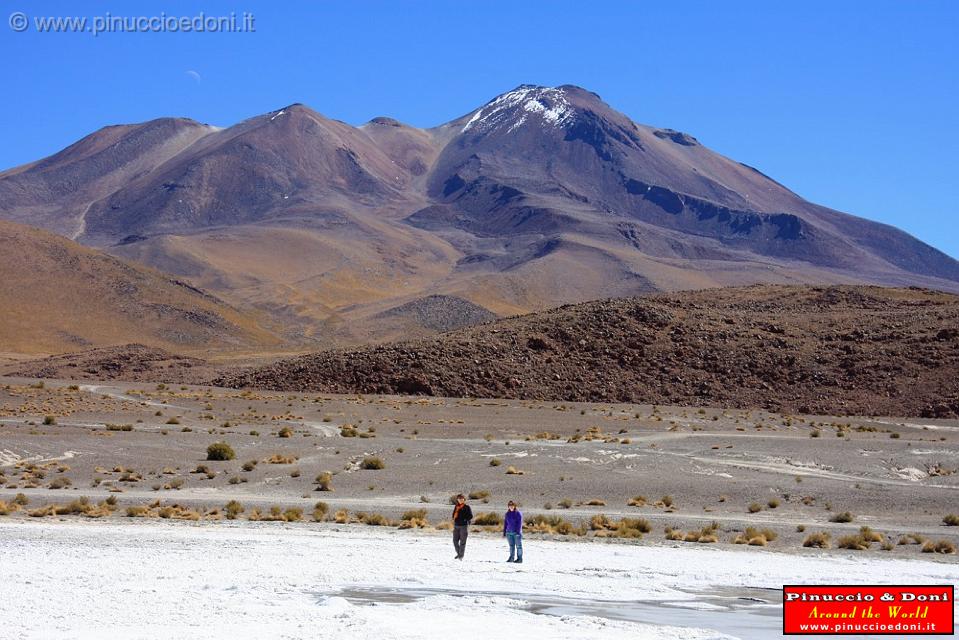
829 350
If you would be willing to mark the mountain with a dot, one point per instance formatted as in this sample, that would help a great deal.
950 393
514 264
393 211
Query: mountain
543 196
841 350
56 295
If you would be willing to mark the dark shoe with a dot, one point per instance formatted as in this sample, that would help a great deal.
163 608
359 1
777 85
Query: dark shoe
510 560
520 561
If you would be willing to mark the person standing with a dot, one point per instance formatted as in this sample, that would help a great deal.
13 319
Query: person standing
513 531
462 516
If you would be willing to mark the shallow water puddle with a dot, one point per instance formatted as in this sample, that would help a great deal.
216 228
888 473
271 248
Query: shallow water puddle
749 614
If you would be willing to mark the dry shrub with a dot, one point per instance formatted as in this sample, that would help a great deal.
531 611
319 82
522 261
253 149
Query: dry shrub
372 463
325 481
320 509
637 501
951 520
445 525
6 509
488 519
233 509
868 534
705 535
81 506
278 458
552 524
845 516
285 432
513 471
941 546
373 519
674 534
912 538
414 514
855 542
495 462
596 502
341 517
754 507
819 540
755 537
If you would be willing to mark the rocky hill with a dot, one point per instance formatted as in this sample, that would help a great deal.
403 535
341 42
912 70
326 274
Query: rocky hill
830 350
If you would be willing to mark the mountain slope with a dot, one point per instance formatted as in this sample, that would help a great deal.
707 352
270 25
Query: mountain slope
543 196
828 350
56 295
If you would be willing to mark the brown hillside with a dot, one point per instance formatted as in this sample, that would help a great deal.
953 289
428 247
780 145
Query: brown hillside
832 350
56 295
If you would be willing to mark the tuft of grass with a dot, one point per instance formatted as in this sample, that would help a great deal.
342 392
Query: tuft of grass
21 500
488 519
233 509
951 520
49 420
755 537
565 503
249 465
855 542
325 481
637 501
293 514
373 519
868 534
513 471
218 451
277 458
940 546
754 507
845 516
173 421
285 432
495 462
773 503
819 540
414 514
320 509
372 463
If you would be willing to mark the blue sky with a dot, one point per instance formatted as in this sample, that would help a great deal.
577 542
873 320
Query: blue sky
851 104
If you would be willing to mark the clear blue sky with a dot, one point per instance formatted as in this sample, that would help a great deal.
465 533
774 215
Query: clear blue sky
853 105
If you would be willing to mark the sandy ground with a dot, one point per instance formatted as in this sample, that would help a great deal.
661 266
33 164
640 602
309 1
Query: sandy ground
895 476
149 579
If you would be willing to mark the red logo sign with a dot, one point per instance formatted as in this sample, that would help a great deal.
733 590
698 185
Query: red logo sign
873 609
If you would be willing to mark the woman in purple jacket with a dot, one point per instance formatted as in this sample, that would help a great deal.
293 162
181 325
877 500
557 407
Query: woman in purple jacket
513 531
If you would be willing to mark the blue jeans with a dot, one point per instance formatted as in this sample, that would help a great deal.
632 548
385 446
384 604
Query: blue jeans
515 545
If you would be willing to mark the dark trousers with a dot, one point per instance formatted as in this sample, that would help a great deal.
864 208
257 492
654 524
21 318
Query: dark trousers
459 538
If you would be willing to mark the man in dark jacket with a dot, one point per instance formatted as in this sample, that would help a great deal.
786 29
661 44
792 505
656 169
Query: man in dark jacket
462 516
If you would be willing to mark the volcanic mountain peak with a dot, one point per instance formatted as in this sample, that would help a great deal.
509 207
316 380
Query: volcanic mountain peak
514 108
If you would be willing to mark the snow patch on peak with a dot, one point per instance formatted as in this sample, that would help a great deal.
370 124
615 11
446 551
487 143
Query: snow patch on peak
550 105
